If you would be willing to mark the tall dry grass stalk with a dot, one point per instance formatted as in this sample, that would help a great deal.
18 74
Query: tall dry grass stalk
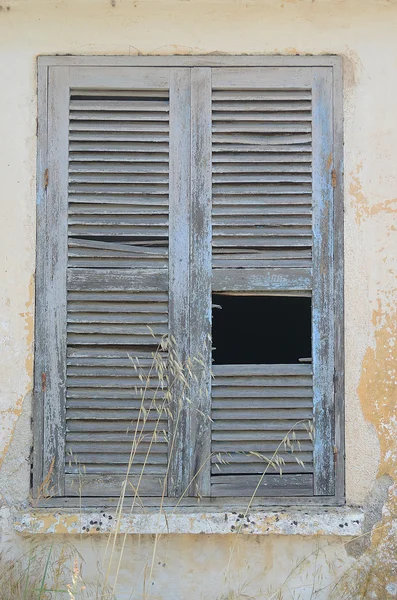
174 379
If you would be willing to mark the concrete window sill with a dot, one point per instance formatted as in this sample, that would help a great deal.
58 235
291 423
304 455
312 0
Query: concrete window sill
343 521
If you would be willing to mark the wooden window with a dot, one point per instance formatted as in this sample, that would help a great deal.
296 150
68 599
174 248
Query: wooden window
168 188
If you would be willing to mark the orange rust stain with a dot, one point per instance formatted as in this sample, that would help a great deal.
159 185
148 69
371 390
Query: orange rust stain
364 210
377 391
11 414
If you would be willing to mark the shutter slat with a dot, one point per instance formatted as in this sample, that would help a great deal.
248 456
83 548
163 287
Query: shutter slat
272 485
253 409
117 288
261 146
109 484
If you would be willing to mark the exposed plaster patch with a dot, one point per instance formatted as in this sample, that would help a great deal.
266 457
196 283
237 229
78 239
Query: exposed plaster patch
9 416
378 396
364 210
373 508
332 521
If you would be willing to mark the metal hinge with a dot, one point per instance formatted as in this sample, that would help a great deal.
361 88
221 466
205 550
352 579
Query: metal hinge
333 178
46 179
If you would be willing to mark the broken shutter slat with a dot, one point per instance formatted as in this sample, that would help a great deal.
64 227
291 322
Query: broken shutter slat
262 240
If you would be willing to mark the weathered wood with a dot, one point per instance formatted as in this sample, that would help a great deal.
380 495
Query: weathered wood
261 77
255 280
41 307
123 280
85 484
230 503
118 78
200 282
97 145
179 273
271 485
211 60
54 377
339 380
323 332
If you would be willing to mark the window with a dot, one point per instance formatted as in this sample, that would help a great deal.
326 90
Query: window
170 190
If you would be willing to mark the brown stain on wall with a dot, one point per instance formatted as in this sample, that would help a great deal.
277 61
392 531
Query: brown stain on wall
365 210
12 414
378 396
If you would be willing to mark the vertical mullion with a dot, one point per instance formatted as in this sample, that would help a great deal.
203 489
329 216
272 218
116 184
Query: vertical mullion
41 308
179 272
339 283
54 289
323 283
200 282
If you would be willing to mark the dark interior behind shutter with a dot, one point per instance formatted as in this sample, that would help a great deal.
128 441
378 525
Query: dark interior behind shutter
262 217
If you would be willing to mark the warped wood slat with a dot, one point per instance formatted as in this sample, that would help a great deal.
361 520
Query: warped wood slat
117 299
250 186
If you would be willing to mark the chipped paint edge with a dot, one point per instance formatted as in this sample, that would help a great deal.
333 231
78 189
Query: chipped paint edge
330 522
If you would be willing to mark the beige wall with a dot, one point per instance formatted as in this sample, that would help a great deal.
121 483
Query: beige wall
364 33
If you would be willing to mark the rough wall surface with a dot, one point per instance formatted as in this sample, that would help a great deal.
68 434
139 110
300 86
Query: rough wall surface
364 33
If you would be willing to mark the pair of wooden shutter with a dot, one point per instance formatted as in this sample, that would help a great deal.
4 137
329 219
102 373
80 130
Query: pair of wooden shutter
163 185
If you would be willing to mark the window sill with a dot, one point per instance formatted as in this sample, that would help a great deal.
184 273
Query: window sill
343 521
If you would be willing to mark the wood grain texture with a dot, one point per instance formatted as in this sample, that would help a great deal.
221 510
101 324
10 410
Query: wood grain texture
179 273
119 78
200 281
271 485
122 142
339 380
41 307
54 288
261 280
323 311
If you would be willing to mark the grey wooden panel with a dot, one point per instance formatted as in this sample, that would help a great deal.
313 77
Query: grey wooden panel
264 370
255 408
179 272
271 485
111 485
210 60
323 332
339 381
119 78
41 306
261 77
261 280
254 200
54 378
123 280
200 281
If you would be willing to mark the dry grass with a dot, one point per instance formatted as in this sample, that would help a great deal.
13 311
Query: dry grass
49 572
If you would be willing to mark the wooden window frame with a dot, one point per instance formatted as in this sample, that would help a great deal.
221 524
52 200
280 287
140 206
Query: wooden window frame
336 404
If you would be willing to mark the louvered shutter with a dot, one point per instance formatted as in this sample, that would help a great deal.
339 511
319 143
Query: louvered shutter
106 278
272 234
141 167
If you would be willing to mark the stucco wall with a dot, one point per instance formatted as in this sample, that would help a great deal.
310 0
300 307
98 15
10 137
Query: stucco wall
364 33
